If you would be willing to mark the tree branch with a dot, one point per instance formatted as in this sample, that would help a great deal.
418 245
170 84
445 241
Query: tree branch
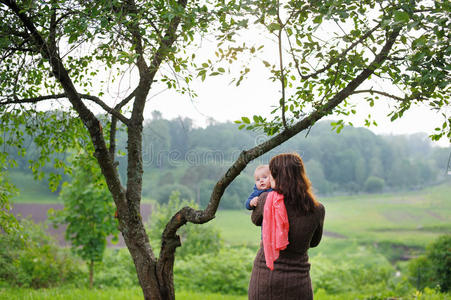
112 148
188 214
125 100
94 99
108 109
52 29
406 98
133 27
333 60
380 93
134 144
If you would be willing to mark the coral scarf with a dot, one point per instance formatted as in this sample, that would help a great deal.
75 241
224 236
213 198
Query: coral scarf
275 227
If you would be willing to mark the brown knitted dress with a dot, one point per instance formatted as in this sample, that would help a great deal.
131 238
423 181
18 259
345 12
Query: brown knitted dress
290 278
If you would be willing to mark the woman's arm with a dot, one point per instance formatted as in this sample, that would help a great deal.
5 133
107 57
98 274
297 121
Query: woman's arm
257 213
319 230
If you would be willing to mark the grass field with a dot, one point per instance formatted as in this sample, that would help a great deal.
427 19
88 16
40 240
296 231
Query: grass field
31 190
412 218
134 293
408 218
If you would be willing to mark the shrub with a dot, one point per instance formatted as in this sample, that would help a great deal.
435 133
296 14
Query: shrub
226 272
374 184
348 276
35 260
434 267
116 270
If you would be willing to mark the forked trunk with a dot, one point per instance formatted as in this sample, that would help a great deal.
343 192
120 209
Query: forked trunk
155 277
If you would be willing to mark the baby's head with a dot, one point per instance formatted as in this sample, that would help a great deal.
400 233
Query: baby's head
261 176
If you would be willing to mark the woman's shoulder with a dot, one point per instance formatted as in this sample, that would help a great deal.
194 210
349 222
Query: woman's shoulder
319 207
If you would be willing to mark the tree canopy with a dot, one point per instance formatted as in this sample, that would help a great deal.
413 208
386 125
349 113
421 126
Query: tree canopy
70 53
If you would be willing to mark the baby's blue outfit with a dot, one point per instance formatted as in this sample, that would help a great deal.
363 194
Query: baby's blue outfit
255 193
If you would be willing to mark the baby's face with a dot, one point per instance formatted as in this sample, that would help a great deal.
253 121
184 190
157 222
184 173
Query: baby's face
261 177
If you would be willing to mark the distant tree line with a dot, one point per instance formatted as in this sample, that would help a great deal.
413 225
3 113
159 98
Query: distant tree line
179 156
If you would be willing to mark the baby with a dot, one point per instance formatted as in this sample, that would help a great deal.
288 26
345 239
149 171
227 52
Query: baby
262 184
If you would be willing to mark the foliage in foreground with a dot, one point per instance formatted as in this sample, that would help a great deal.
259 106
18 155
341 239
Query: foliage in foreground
88 211
433 269
338 275
33 260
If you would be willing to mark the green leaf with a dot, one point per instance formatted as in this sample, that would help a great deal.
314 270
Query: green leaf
318 19
246 120
273 27
401 16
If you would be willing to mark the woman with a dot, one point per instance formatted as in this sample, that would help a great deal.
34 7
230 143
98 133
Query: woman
290 278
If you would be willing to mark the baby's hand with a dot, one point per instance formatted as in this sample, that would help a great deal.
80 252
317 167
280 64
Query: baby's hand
254 202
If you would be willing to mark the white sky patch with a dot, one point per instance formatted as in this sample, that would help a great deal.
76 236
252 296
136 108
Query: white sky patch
258 95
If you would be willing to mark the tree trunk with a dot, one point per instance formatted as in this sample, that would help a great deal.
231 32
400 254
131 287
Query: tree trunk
155 278
91 273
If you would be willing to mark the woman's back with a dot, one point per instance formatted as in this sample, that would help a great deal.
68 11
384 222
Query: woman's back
290 278
305 228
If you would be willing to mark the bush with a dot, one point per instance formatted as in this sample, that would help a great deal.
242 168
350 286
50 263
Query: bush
374 184
348 276
34 260
116 270
196 238
433 269
226 272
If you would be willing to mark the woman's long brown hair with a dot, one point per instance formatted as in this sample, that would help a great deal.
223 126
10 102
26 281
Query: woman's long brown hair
292 182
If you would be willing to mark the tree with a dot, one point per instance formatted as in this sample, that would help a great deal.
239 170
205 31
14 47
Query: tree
54 51
374 184
88 211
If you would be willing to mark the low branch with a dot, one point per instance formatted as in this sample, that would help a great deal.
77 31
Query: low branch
94 99
21 49
188 214
108 109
